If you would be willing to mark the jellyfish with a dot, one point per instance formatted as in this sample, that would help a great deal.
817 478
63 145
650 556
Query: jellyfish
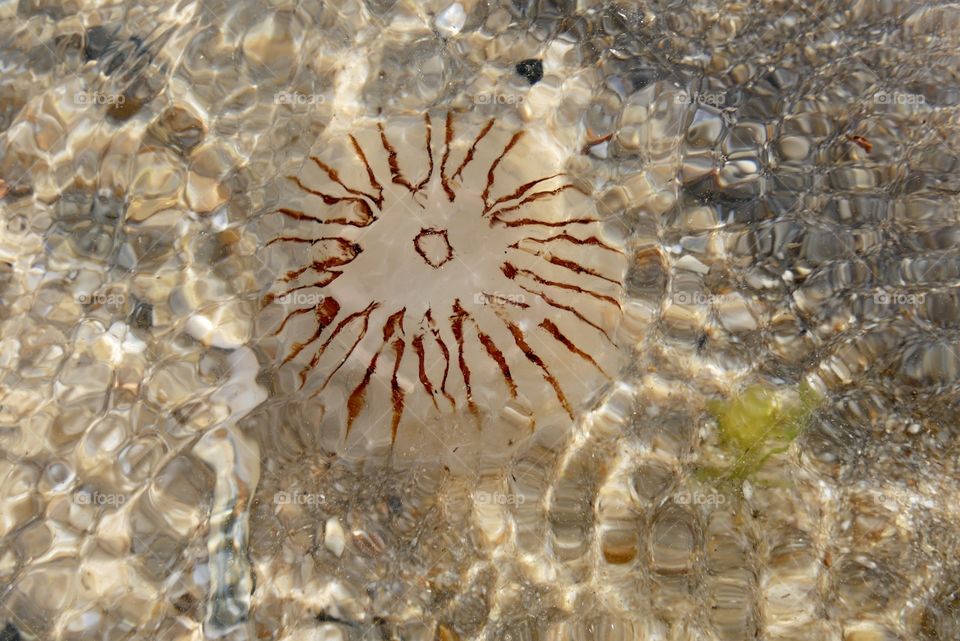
433 277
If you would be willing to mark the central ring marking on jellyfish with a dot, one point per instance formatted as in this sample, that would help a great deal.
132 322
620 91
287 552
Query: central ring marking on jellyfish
423 278
434 248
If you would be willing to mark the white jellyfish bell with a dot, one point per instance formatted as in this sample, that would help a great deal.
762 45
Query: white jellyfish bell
434 280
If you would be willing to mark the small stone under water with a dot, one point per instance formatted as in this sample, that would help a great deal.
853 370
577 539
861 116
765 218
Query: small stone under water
9 633
531 69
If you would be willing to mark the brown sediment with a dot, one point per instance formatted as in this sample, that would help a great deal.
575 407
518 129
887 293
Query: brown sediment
861 142
554 331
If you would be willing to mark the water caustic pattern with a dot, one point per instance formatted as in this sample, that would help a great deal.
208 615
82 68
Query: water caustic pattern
437 274
454 320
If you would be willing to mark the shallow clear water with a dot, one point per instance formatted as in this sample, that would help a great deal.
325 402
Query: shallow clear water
464 320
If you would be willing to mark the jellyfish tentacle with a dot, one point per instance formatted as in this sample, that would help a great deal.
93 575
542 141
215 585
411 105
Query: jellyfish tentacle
321 267
329 199
468 158
368 216
348 252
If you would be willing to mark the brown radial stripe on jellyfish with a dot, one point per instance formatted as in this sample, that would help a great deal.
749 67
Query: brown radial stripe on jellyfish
410 296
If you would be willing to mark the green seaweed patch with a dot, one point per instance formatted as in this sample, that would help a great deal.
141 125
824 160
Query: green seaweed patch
760 422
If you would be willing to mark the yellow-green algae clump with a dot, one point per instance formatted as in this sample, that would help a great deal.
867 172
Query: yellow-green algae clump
759 422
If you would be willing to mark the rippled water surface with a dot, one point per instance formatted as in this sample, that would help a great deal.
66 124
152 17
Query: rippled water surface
477 320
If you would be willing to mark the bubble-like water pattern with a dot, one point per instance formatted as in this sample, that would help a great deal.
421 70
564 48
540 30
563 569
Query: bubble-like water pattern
781 177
